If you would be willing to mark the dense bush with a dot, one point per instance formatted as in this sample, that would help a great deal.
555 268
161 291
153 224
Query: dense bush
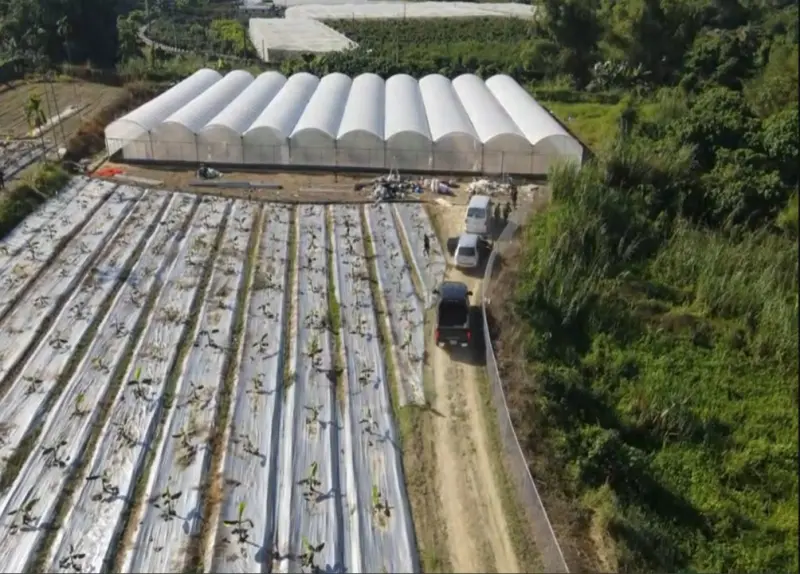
203 34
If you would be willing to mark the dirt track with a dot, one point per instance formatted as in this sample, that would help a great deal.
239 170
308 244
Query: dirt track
479 533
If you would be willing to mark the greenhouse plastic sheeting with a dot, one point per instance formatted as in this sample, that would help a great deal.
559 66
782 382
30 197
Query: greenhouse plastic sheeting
433 124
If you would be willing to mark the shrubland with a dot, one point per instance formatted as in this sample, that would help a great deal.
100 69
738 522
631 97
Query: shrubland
649 339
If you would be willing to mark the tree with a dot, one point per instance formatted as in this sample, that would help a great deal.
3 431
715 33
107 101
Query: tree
63 30
35 116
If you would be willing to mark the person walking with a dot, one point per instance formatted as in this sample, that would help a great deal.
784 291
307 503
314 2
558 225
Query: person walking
426 245
2 178
514 196
497 215
506 212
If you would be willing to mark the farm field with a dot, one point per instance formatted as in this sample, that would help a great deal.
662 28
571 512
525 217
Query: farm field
89 96
198 382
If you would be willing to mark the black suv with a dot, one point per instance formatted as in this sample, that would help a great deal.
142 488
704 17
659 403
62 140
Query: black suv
453 315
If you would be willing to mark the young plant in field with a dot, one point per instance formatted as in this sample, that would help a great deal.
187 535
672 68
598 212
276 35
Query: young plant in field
136 298
165 502
101 365
170 315
34 385
79 311
126 435
368 425
72 561
188 449
205 334
308 558
59 341
313 348
248 446
310 482
199 395
266 310
120 329
241 526
41 302
312 419
380 508
262 345
140 385
79 406
257 386
52 453
365 373
24 518
109 491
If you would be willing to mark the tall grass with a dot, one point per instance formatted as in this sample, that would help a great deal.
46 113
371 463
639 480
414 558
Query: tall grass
666 369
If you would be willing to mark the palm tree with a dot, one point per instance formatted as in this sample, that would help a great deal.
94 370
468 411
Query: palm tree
35 116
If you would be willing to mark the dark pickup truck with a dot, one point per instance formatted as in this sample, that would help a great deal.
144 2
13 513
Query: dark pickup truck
453 315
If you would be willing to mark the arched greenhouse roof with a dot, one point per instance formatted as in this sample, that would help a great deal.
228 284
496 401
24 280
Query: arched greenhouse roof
285 109
364 109
405 110
240 114
446 115
323 113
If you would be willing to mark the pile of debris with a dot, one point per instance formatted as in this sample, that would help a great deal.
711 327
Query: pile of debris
493 188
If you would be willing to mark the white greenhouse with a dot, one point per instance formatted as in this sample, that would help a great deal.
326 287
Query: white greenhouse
432 125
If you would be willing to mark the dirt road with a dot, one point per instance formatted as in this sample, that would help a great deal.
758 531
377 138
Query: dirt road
479 537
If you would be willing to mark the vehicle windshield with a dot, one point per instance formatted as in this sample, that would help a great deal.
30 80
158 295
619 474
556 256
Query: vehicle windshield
476 212
468 251
453 314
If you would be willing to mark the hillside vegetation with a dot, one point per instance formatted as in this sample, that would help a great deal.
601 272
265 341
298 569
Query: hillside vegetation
655 302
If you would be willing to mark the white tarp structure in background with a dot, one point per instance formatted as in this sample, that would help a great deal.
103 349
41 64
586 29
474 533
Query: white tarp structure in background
313 140
434 124
397 10
456 146
505 149
548 137
221 139
132 131
360 140
274 38
175 139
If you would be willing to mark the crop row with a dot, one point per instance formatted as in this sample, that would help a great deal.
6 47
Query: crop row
193 382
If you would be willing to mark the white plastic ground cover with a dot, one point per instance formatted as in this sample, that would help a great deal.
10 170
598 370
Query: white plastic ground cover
93 524
406 320
309 512
39 236
51 213
41 480
250 460
295 35
22 403
21 325
164 526
382 533
415 225
400 10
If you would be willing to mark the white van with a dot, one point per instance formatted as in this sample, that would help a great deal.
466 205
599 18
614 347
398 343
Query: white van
468 251
479 215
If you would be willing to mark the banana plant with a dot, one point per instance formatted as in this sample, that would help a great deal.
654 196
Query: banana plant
109 491
380 507
25 513
165 502
140 385
311 482
79 406
72 561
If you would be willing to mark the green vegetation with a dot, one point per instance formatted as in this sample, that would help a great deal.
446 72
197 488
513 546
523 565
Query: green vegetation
418 47
34 188
656 300
203 34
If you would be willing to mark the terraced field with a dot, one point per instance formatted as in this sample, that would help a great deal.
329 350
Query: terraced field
199 383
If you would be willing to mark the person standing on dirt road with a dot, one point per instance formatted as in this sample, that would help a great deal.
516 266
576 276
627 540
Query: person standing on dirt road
2 178
506 212
426 245
497 215
514 196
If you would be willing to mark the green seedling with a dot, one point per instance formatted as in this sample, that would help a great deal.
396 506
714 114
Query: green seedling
109 490
247 445
369 425
310 482
100 364
309 555
24 513
380 508
313 348
165 502
120 329
241 526
262 344
79 407
257 386
53 456
197 395
313 416
140 385
72 561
